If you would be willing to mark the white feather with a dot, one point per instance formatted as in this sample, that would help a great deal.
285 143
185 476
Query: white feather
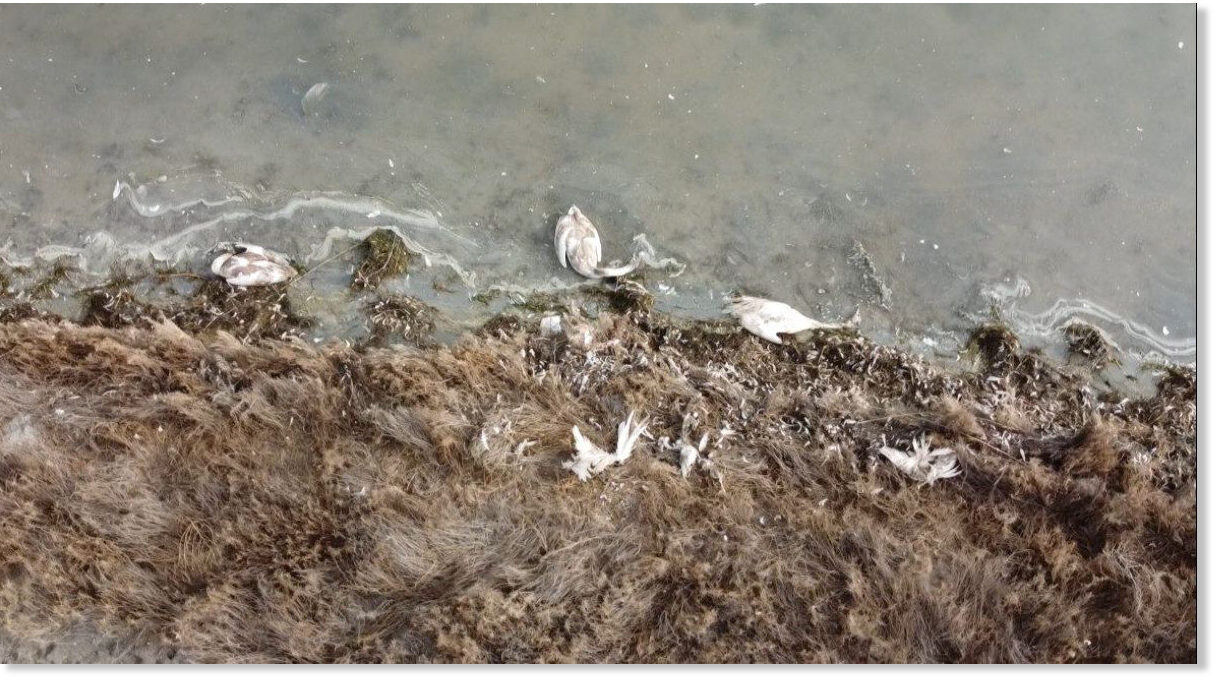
590 459
924 464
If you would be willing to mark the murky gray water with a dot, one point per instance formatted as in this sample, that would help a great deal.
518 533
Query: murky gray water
918 163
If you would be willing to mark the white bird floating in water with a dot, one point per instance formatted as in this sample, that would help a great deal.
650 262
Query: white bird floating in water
252 265
591 459
926 465
577 245
769 319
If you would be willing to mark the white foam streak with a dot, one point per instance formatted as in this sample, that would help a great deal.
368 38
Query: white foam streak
1049 323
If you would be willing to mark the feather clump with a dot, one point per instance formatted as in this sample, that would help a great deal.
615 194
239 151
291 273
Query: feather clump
591 459
925 464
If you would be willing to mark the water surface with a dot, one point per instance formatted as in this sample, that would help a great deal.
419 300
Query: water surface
919 163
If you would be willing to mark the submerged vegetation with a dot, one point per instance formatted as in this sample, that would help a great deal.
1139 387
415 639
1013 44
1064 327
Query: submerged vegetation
1089 342
400 317
384 256
193 475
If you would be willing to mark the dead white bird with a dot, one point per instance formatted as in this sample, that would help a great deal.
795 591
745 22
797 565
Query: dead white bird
577 245
769 319
925 464
591 459
252 265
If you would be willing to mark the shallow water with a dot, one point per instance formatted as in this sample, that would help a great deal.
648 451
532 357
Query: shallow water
918 163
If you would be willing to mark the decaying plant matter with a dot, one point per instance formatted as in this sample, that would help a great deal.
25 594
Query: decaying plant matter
271 500
384 256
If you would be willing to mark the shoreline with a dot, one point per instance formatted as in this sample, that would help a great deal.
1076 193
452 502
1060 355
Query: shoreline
275 500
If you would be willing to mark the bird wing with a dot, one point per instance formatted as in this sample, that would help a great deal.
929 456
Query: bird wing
761 327
942 468
559 240
585 255
902 461
217 265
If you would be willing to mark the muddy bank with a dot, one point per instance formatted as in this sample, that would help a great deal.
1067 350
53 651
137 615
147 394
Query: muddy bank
229 492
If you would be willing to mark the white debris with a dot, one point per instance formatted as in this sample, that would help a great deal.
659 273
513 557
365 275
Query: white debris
493 446
689 455
313 96
1165 331
20 431
925 464
550 326
768 319
591 459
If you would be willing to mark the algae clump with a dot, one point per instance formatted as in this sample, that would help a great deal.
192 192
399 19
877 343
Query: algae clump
384 256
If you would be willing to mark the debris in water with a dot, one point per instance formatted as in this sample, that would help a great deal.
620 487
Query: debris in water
400 316
860 258
313 97
385 256
1089 342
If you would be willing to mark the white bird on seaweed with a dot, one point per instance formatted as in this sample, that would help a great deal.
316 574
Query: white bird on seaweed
769 319
925 464
578 246
252 265
591 459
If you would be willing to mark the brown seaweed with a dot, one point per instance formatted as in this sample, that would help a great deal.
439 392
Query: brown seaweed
384 256
244 501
